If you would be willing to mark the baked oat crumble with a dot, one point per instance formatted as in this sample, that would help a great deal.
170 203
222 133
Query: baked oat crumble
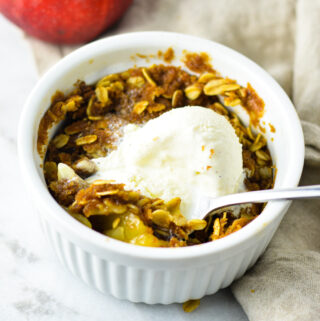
93 119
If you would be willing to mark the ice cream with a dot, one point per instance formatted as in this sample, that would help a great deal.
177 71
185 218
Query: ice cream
182 152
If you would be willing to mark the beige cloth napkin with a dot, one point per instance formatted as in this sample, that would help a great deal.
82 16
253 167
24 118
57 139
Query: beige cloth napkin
283 37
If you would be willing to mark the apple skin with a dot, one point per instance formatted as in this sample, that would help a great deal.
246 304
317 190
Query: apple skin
64 21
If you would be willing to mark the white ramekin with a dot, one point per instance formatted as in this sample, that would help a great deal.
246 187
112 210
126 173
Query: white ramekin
158 275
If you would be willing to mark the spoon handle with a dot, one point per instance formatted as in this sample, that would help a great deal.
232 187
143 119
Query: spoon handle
265 196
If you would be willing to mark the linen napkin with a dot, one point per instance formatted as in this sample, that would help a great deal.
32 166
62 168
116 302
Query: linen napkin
282 37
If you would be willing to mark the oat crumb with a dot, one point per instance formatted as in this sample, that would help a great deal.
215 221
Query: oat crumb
191 305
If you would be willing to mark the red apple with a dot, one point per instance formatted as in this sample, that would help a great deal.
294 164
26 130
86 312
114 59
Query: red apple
64 21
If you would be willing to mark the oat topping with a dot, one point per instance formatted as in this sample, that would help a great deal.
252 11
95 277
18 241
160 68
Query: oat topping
93 120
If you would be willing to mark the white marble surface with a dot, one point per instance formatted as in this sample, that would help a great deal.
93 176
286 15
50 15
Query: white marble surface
33 285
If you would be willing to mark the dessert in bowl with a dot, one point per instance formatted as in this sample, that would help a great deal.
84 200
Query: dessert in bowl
148 274
137 147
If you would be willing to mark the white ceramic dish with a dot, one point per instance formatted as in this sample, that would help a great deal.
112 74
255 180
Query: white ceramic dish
158 275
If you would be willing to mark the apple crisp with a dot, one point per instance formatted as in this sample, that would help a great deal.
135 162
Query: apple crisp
93 117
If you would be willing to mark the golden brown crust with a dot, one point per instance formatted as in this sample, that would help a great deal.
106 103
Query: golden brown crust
94 116
198 63
253 104
168 55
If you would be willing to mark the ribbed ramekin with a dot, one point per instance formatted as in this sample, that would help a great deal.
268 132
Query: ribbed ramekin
158 275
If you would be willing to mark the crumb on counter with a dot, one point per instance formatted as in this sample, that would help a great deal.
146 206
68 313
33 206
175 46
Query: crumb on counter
190 305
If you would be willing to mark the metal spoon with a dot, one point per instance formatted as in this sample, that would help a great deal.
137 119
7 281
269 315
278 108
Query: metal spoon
204 205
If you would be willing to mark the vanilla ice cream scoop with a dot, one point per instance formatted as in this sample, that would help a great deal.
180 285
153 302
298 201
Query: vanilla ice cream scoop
184 151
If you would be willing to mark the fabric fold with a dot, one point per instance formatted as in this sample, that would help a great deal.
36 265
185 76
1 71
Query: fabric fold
311 133
306 75
278 287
